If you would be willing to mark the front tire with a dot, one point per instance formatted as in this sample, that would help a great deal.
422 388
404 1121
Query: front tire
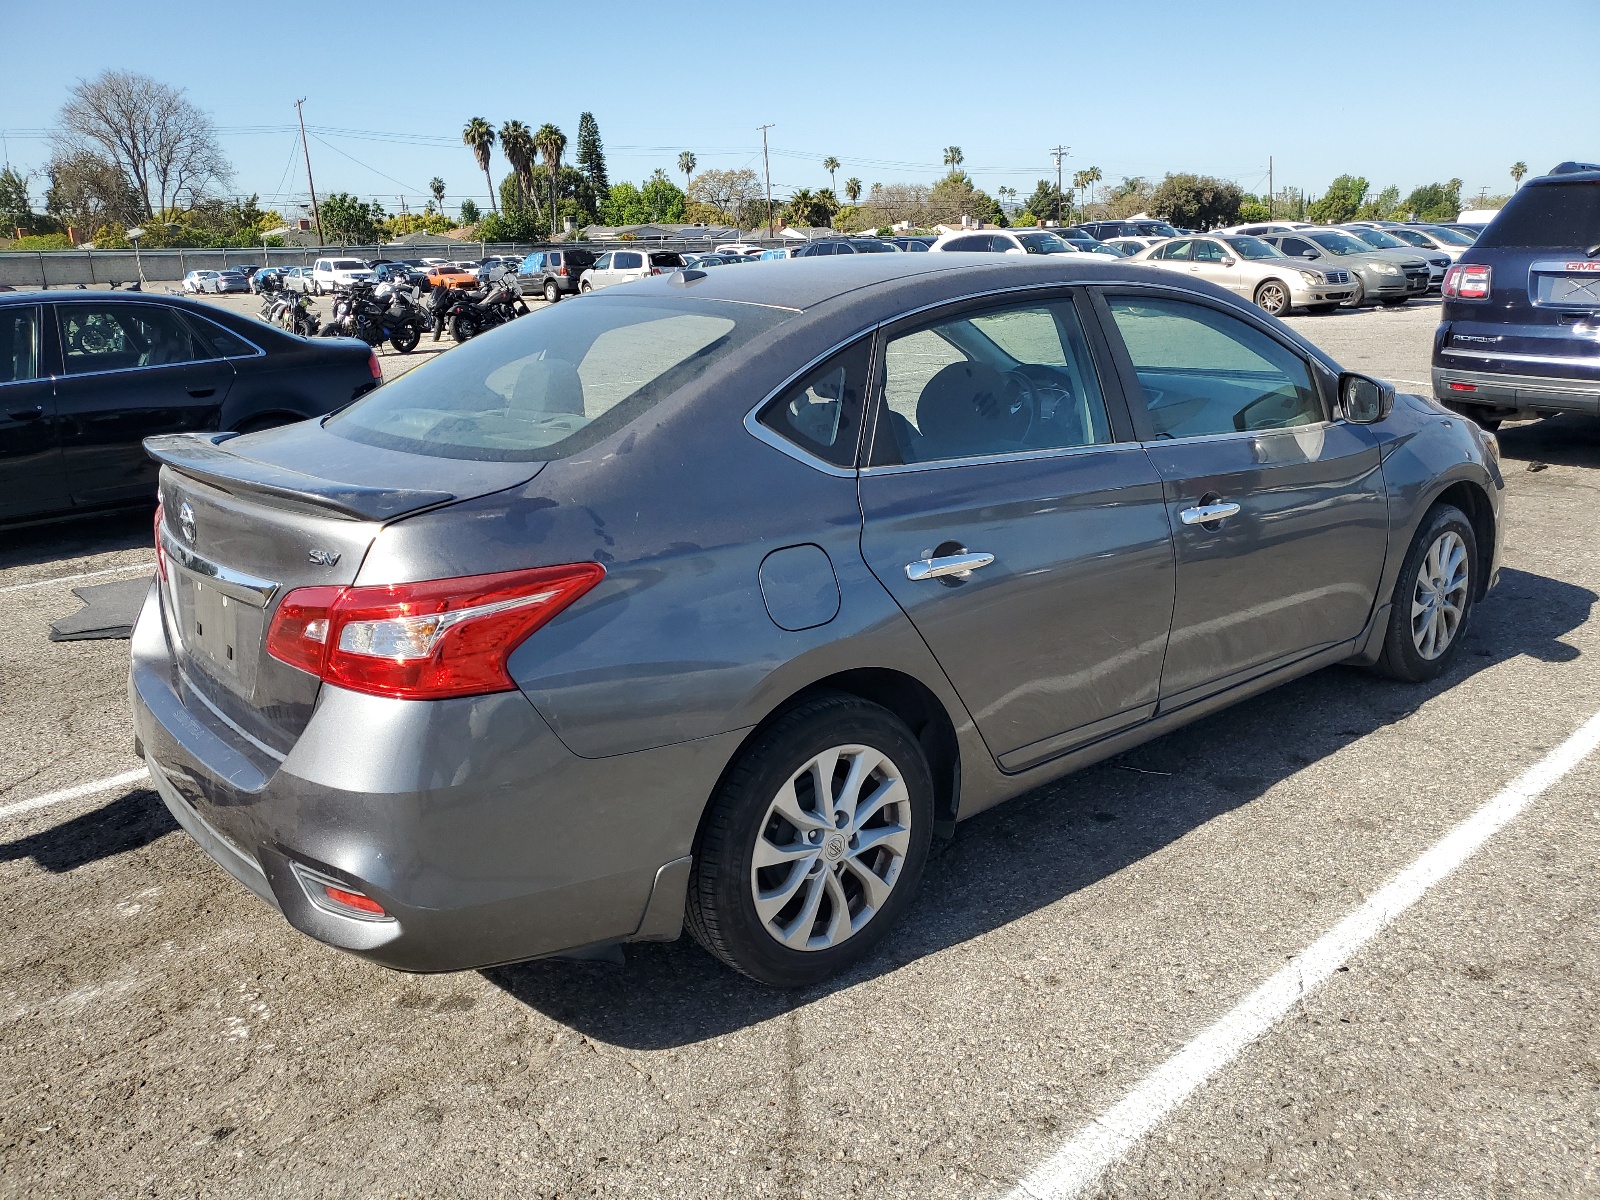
405 338
813 844
1432 598
585 287
1357 297
1272 297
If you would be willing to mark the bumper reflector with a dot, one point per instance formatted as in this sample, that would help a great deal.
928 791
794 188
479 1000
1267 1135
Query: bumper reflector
1463 387
355 900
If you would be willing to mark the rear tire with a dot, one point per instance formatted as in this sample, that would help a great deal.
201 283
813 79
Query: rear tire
405 338
1272 297
551 292
1433 598
832 883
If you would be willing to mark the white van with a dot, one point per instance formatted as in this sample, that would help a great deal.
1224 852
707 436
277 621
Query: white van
336 274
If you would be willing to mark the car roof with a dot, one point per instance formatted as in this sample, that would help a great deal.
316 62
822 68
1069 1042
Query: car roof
805 283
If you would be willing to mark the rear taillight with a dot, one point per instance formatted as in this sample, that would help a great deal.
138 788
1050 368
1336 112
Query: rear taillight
374 366
561 271
655 270
423 641
161 555
1466 282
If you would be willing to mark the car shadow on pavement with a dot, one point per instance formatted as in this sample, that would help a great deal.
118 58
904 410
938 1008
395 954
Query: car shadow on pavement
1565 441
129 822
101 533
1059 839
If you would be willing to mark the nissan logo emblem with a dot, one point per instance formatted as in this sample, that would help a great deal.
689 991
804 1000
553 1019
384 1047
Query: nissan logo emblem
186 522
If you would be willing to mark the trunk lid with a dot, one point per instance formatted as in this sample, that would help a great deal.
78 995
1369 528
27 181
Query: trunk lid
246 520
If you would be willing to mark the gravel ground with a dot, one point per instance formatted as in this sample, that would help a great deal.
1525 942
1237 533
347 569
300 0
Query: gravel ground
164 1033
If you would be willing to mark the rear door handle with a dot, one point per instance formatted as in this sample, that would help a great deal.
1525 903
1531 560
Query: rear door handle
950 566
1204 514
202 393
26 414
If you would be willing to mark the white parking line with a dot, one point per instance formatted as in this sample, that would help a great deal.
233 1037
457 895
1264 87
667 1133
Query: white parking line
72 793
19 587
1080 1162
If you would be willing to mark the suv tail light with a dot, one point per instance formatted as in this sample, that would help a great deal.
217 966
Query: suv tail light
423 641
561 271
374 366
1466 282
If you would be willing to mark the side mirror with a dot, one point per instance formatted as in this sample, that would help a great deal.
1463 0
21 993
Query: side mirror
1309 254
1015 250
1230 261
1364 400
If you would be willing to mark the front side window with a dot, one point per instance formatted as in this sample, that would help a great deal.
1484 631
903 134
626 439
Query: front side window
1042 243
822 413
603 263
555 382
119 337
19 344
1204 372
1299 248
1339 243
1000 380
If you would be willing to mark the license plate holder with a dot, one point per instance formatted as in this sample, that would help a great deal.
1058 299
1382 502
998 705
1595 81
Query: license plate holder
221 634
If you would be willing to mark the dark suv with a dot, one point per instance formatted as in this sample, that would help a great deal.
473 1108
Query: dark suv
1520 334
553 273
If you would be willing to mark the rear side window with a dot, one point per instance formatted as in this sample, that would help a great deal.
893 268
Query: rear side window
226 344
665 258
822 413
19 344
556 381
120 337
1548 216
626 261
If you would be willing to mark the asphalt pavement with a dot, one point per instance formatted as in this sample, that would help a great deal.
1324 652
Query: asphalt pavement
163 1033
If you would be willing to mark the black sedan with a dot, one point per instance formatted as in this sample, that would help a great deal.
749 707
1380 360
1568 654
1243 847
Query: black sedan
84 378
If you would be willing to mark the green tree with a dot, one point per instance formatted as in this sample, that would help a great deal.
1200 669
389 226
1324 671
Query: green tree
1091 176
811 210
686 164
1341 202
348 219
1433 202
1046 203
16 209
469 212
591 157
953 158
1381 207
516 143
662 199
479 135
551 144
1197 201
436 186
831 166
1253 208
852 189
623 205
88 190
1518 170
954 197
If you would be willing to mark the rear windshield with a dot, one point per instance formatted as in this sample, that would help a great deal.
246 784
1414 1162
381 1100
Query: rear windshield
1042 243
554 382
1550 216
348 264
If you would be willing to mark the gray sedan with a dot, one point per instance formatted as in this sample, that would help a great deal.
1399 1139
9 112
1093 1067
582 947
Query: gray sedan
712 599
1390 277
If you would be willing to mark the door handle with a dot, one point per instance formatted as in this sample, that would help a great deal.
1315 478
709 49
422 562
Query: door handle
949 566
202 393
1204 514
26 414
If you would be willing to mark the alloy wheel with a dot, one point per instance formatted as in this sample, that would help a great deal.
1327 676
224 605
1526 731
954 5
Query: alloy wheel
831 848
1440 598
1272 299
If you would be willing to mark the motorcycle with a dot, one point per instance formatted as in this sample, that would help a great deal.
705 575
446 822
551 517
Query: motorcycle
291 313
379 314
467 314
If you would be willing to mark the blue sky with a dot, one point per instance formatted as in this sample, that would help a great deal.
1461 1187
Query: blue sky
1400 93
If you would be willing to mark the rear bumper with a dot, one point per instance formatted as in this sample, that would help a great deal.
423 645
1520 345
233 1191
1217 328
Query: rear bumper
1518 393
484 839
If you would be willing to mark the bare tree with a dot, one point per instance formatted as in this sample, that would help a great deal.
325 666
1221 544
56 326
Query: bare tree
162 143
726 191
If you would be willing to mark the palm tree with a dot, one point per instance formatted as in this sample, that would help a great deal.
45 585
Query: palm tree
479 134
686 164
517 145
831 165
1092 176
1518 170
852 189
552 144
953 157
436 186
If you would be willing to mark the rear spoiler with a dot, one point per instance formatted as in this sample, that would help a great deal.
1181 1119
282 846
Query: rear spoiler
203 456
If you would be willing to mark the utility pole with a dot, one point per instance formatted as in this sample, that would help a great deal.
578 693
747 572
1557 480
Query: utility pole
1269 187
312 187
767 167
1060 152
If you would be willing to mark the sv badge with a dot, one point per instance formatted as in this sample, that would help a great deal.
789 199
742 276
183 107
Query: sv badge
323 558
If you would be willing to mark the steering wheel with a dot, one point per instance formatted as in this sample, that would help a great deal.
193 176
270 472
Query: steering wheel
1018 404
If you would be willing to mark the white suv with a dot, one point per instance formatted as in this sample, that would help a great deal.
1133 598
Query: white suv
336 274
